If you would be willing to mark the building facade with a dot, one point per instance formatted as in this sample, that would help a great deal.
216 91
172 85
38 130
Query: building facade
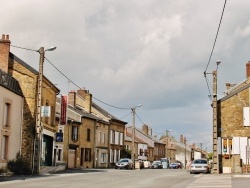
28 81
234 126
11 118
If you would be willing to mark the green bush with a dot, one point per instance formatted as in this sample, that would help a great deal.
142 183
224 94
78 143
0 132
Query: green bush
19 166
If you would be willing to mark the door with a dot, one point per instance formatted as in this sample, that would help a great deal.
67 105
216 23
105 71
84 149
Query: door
71 159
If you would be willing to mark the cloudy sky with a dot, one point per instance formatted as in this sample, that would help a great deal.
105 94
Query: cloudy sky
130 52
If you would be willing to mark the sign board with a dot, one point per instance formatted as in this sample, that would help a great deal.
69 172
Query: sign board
64 105
45 111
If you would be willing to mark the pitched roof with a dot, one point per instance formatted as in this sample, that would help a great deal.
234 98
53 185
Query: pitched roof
107 114
10 83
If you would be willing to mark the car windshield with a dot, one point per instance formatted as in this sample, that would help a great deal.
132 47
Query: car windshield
156 162
123 160
200 162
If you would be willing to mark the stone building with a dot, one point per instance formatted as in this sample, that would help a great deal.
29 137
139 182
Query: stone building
234 126
11 118
28 81
100 136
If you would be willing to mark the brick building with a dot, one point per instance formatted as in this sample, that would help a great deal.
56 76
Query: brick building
28 81
234 126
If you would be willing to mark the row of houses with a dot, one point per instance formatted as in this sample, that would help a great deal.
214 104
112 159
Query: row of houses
75 132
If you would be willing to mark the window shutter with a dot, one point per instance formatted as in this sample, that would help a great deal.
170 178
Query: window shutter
246 119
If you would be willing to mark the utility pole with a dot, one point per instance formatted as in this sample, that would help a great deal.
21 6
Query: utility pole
133 134
38 137
215 122
185 142
133 137
39 127
167 137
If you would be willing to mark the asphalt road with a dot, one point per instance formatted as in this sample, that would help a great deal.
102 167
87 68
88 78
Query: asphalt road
145 178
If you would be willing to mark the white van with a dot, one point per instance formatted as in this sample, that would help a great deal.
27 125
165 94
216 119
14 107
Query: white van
165 162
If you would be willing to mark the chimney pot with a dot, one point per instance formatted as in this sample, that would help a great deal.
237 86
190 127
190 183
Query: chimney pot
248 69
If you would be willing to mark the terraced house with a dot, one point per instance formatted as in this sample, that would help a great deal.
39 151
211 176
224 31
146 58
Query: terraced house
28 81
93 138
11 117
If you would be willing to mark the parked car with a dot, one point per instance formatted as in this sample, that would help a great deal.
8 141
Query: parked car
124 163
156 164
174 165
200 166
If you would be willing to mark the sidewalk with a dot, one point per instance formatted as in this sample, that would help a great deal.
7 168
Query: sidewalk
9 177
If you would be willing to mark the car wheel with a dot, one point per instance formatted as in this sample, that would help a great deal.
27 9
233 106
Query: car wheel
191 172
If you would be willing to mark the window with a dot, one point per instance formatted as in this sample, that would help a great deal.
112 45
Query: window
99 137
227 146
127 147
88 134
52 115
103 137
6 117
103 157
121 139
74 133
116 137
4 151
47 118
141 152
87 156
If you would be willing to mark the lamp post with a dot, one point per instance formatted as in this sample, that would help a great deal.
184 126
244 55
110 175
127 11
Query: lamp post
39 128
133 134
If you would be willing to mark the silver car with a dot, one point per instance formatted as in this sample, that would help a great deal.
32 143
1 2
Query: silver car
124 163
200 166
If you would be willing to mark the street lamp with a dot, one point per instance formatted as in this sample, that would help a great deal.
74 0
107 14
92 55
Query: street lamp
133 134
38 138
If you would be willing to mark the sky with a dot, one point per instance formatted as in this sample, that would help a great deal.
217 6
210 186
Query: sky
149 52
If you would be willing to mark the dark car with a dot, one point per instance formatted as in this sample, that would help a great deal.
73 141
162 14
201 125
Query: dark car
124 163
174 165
156 164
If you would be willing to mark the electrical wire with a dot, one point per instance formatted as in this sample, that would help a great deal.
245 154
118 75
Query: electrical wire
218 29
122 108
139 118
23 48
125 115
68 77
216 36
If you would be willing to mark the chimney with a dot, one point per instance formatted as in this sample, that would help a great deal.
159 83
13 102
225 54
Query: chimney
181 138
145 129
248 69
72 98
88 99
4 53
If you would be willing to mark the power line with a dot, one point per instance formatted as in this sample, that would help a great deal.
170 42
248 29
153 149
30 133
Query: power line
23 48
216 36
68 77
80 88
